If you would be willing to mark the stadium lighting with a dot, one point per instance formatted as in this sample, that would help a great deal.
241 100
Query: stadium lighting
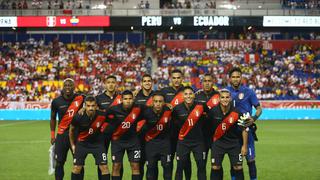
99 6
210 27
14 28
229 6
131 27
259 7
171 27
250 27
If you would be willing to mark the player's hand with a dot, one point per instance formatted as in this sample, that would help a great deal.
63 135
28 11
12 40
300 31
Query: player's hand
244 150
244 120
73 148
53 140
250 121
81 111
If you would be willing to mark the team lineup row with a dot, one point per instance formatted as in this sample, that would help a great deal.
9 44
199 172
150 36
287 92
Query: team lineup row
157 126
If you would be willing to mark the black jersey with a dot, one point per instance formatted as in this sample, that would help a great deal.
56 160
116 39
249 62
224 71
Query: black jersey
231 136
140 98
89 127
211 98
66 110
104 101
188 121
123 122
172 96
157 126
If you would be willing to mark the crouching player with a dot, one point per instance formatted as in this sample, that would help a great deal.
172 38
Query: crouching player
227 137
89 139
156 132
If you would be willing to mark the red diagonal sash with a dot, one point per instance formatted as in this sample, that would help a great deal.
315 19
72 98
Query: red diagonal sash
94 127
155 131
213 101
126 124
71 112
225 125
178 99
191 121
149 101
116 101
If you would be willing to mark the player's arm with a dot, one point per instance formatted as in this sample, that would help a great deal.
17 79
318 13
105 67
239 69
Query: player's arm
258 112
53 122
255 102
72 138
244 148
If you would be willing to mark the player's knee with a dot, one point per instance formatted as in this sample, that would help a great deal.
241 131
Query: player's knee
116 167
104 169
59 164
237 168
250 161
215 167
76 169
151 165
135 166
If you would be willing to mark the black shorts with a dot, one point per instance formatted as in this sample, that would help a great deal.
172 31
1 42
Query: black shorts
62 146
158 150
97 150
185 148
132 147
218 152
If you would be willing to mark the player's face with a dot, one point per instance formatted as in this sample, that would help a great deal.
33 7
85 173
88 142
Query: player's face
68 88
90 107
127 101
225 98
235 79
176 79
158 103
188 96
147 83
207 83
111 84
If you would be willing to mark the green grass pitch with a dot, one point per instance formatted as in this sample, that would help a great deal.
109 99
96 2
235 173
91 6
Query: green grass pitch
286 150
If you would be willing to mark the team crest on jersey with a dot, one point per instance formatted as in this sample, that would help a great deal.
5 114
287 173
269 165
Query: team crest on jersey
133 116
231 120
165 120
241 95
215 101
98 124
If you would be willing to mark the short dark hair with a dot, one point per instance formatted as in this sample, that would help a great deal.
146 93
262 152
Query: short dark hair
234 69
176 71
224 90
127 92
207 74
111 77
188 87
90 98
146 75
158 93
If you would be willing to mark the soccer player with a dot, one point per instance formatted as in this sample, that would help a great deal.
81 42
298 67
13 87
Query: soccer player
105 100
173 97
122 121
89 139
187 117
144 97
157 136
244 98
226 138
66 106
207 95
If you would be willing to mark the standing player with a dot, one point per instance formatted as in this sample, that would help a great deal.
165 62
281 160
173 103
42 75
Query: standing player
123 120
226 138
89 139
173 97
157 136
187 117
244 98
144 97
66 106
207 95
105 100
